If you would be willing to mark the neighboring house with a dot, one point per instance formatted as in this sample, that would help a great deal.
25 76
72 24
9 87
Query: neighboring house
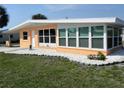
4 36
82 36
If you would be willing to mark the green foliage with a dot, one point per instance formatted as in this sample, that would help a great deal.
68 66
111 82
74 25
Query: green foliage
39 16
99 56
4 18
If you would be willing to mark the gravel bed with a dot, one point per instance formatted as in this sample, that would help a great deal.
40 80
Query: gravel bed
116 57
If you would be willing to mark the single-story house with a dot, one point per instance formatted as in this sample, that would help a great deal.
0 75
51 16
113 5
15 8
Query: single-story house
82 36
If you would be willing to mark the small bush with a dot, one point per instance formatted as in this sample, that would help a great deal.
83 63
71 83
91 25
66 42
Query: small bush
99 56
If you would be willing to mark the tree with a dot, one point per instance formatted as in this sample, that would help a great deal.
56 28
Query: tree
4 18
39 16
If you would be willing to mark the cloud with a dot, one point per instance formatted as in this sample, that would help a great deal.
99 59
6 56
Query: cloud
60 7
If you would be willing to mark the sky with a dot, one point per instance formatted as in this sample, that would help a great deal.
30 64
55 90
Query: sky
19 13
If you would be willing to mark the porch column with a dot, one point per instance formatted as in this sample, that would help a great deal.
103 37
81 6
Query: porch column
77 37
8 42
90 37
66 37
105 38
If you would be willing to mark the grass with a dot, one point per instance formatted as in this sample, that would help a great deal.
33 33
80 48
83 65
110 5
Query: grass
42 71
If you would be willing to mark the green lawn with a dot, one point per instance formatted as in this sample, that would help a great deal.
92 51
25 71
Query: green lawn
41 71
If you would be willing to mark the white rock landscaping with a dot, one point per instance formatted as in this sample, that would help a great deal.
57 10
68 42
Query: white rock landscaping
116 57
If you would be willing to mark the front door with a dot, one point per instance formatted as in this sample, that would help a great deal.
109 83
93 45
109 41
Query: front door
33 39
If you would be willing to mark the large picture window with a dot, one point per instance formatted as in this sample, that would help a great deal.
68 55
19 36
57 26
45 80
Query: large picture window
83 36
62 37
47 36
25 35
109 36
72 37
97 36
113 36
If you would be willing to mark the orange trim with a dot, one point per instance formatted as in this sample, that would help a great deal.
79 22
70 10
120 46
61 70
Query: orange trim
80 51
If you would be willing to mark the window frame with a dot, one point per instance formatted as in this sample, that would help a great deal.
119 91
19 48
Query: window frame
52 36
25 36
62 37
72 37
44 36
117 35
41 36
99 37
83 37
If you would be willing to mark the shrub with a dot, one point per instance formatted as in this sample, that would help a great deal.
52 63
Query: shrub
99 56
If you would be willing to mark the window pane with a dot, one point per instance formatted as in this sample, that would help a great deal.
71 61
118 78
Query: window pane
25 37
109 33
53 40
72 42
115 41
109 42
46 39
71 32
120 32
52 32
62 42
41 39
25 33
97 42
115 31
11 36
83 42
120 41
1 36
83 31
62 33
97 30
109 28
46 32
41 33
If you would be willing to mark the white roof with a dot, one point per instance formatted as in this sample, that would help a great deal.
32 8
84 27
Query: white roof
111 20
